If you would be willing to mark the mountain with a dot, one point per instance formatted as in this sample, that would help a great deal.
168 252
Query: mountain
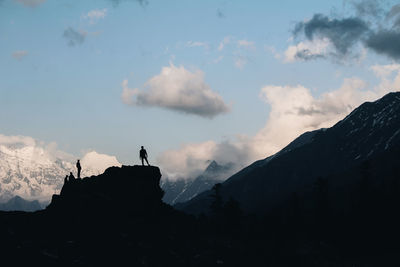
182 190
18 203
30 171
365 143
116 218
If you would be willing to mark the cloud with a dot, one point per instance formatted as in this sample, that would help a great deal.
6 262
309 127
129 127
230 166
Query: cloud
342 33
197 44
224 42
190 160
19 54
96 14
273 51
370 29
385 42
293 111
94 163
17 140
394 14
383 71
143 3
220 13
240 61
177 89
245 44
30 3
308 50
74 37
371 8
34 169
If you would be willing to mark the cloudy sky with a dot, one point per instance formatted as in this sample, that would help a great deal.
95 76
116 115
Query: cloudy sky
192 81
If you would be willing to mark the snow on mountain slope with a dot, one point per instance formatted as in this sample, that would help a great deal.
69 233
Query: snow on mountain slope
34 171
370 132
183 190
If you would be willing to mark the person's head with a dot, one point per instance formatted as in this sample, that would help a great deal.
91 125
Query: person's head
78 160
142 147
70 173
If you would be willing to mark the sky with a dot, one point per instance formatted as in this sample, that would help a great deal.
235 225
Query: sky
192 81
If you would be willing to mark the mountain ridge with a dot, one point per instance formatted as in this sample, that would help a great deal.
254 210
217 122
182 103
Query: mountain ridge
367 132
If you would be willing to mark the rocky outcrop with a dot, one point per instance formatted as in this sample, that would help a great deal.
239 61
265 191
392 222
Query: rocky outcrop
128 188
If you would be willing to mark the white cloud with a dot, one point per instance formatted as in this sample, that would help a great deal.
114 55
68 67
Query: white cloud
128 95
308 50
197 44
30 3
240 61
16 140
190 160
293 111
224 42
19 54
383 71
34 169
218 59
246 44
96 14
273 51
177 89
94 163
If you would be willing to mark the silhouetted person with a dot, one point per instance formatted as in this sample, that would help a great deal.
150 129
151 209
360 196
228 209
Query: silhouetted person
143 156
71 177
66 179
78 166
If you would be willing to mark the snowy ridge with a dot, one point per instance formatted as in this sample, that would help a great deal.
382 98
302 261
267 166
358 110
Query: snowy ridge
31 172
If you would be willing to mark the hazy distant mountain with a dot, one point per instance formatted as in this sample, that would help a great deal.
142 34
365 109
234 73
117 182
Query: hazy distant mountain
182 190
18 203
371 133
30 171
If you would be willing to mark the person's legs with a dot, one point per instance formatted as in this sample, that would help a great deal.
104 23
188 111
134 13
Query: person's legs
79 173
142 162
147 161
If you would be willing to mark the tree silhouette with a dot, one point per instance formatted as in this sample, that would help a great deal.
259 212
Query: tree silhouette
217 203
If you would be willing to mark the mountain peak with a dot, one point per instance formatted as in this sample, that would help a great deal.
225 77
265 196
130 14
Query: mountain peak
127 187
370 133
213 166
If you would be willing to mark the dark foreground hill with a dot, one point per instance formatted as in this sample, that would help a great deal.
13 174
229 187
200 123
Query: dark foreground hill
118 219
18 203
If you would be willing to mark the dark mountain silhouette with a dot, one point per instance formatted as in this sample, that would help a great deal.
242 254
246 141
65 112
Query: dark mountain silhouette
182 190
330 198
116 218
20 204
370 133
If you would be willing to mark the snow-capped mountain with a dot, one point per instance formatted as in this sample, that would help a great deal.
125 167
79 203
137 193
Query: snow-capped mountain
32 171
371 133
183 190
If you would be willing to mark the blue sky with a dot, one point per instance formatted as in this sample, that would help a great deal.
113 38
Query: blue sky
63 64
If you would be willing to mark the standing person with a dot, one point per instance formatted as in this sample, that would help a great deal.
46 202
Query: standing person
78 166
143 156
